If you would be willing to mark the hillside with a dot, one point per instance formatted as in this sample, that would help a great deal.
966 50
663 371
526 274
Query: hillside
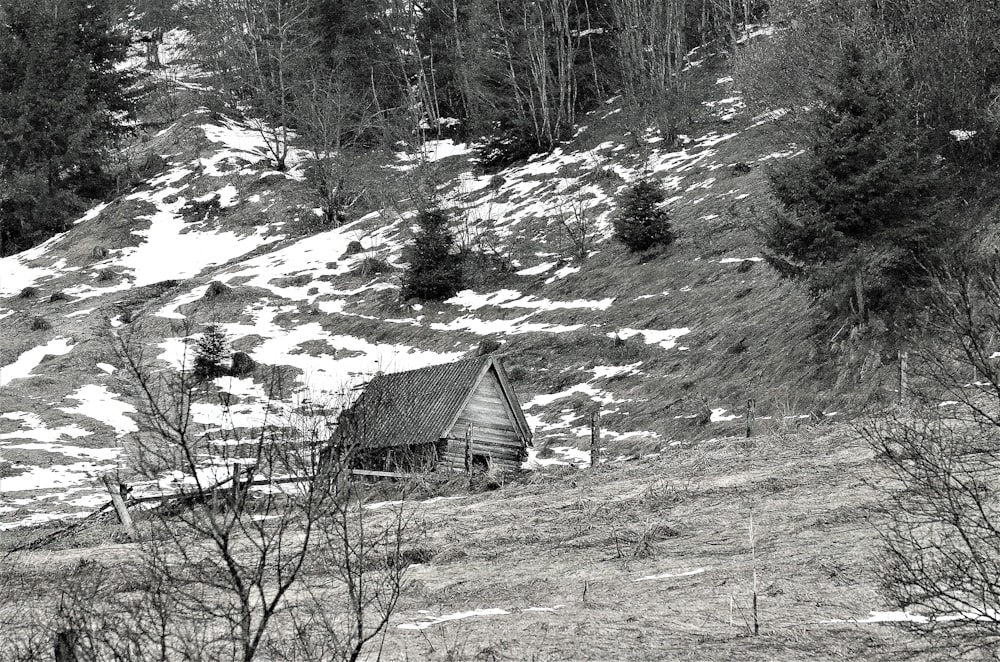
667 346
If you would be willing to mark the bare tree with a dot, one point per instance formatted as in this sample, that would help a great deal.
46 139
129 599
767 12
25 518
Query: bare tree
539 42
941 542
335 118
257 48
578 222
651 47
256 546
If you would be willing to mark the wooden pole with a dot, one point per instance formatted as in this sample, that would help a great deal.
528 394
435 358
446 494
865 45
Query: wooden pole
119 503
903 377
468 453
595 439
468 449
751 407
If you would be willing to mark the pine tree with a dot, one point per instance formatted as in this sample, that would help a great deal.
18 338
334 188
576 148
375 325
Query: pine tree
641 223
435 272
211 352
63 103
856 222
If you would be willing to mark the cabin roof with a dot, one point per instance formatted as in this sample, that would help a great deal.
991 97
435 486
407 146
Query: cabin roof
420 406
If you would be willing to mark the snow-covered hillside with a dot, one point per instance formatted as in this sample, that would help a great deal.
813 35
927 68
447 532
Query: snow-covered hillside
587 327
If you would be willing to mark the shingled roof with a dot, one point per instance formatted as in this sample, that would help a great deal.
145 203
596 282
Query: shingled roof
419 406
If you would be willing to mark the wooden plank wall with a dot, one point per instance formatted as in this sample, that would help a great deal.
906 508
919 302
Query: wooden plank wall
494 434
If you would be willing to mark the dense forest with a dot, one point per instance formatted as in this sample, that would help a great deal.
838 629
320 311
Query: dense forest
341 74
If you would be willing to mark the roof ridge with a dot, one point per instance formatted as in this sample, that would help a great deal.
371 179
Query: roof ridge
432 367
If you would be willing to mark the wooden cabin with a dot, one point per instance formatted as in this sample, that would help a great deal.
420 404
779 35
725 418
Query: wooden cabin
419 420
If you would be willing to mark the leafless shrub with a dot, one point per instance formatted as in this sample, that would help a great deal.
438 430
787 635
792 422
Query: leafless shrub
635 543
941 544
941 541
579 224
220 553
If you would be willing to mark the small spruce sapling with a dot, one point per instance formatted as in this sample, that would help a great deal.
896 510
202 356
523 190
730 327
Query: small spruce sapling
640 223
435 272
210 353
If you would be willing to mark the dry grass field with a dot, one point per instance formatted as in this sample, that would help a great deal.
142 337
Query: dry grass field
640 559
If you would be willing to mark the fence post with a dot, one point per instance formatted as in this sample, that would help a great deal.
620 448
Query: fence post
468 449
119 503
595 439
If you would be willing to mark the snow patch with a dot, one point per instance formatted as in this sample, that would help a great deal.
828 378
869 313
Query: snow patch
423 625
720 416
688 573
910 617
731 260
537 269
56 476
432 150
98 403
961 135
666 338
470 300
30 359
32 427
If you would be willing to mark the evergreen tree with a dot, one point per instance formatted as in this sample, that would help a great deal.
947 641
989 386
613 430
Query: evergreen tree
435 272
641 223
855 220
211 352
365 40
63 103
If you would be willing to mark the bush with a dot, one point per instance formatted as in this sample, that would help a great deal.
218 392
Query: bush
641 224
243 365
354 248
210 353
488 346
216 289
435 273
505 148
28 293
199 210
40 324
371 266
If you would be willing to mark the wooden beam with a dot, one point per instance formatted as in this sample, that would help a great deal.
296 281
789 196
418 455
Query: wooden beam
381 474
114 489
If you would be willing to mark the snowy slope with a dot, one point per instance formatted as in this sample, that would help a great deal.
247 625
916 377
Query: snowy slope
583 332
